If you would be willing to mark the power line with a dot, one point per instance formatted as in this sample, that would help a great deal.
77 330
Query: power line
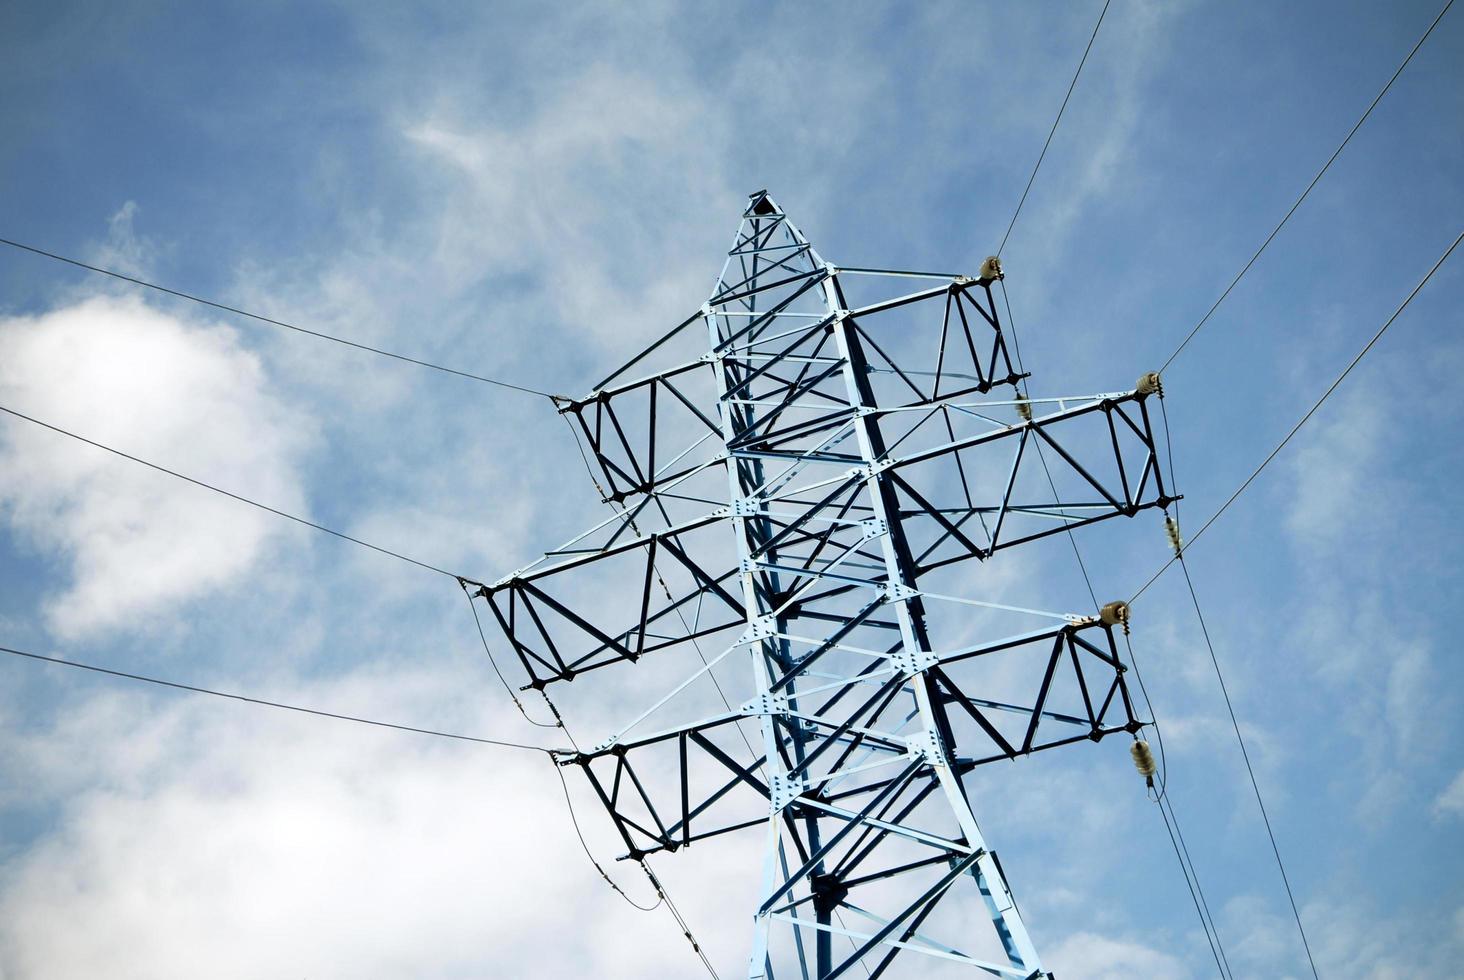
1206 924
680 921
1304 419
512 695
269 704
1204 630
1240 740
245 500
1171 818
584 846
1163 799
1225 691
1071 85
1042 456
662 897
1325 167
270 320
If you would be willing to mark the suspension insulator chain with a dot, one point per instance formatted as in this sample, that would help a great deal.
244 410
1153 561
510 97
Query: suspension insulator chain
1144 760
1171 529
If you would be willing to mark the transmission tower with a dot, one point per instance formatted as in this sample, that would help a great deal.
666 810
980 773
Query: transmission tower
801 473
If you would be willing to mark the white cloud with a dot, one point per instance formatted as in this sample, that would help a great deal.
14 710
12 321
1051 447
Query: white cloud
1095 957
183 394
590 199
1349 937
211 839
1451 801
1341 482
124 250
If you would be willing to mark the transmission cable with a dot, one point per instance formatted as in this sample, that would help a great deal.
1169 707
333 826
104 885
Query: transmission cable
550 752
230 494
1199 614
1304 419
1196 898
584 846
661 893
1042 456
1325 167
626 516
1011 321
1171 819
270 320
270 704
1255 786
1161 798
662 897
553 755
1050 133
513 696
1165 802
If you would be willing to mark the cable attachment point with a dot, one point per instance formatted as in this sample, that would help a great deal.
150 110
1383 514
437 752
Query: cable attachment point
1024 409
1115 614
1171 528
1144 760
1150 384
473 588
990 270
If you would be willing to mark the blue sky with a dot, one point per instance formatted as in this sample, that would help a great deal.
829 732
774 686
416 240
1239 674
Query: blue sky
534 194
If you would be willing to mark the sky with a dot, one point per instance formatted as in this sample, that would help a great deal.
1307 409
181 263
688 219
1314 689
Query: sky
535 192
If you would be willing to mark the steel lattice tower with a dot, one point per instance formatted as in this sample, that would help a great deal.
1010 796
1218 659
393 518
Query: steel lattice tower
804 488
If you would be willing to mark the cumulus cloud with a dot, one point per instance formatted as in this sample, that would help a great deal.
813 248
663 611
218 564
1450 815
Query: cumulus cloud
213 840
180 393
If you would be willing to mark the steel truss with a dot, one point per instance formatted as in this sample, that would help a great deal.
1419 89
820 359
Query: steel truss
802 492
